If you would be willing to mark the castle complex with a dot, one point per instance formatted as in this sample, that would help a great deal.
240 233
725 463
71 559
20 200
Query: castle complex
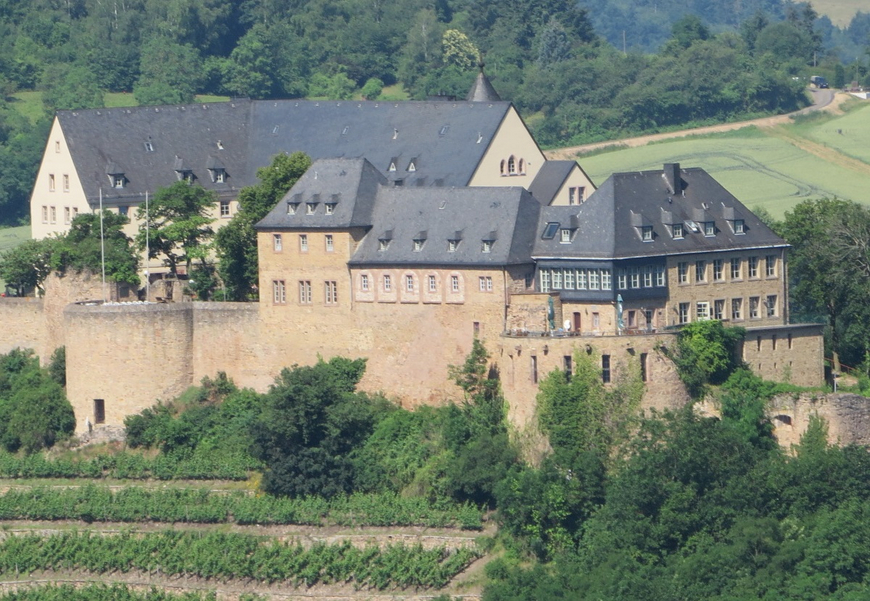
418 227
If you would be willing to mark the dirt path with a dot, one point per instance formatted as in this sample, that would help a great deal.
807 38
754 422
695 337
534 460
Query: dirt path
823 100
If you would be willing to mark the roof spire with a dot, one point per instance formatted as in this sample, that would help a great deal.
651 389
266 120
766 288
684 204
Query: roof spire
482 90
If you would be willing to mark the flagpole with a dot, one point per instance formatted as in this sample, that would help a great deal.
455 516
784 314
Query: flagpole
147 250
102 246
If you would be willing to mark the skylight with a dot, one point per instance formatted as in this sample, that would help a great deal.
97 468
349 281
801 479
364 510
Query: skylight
550 230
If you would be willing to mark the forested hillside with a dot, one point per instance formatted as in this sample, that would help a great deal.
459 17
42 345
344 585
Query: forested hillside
562 63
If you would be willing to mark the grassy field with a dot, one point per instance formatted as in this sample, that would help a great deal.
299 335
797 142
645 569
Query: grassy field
763 168
840 12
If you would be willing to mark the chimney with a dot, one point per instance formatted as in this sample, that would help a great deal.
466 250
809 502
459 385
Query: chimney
672 177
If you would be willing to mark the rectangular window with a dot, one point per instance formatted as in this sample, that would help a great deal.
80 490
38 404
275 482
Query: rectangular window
99 411
572 196
702 311
683 272
534 370
771 305
739 226
644 373
632 319
277 243
566 365
581 279
647 277
569 279
678 231
646 233
118 180
303 243
770 266
635 277
736 308
648 318
596 320
291 208
709 228
621 279
45 213
606 282
451 246
556 276
329 243
593 279
331 292
123 210
660 276
545 280
329 208
220 176
736 269
566 236
364 282
753 307
684 312
304 292
225 208
475 328
279 292
487 246
75 212
66 214
718 271
700 271
51 182
388 284
605 369
409 283
485 284
753 267
310 208
433 284
719 309
454 283
57 145
65 182
53 212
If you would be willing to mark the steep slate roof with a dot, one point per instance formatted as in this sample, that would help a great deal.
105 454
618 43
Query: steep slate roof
504 216
610 220
482 90
447 140
550 179
350 184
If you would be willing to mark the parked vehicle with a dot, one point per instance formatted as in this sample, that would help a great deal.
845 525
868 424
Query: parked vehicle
818 81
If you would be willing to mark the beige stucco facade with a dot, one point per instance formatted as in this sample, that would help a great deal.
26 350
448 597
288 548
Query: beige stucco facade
576 188
513 157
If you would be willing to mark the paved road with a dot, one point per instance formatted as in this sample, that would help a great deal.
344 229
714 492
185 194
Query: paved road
822 99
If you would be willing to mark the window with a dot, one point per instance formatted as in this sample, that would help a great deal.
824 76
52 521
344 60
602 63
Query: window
330 245
454 283
565 234
684 312
550 231
632 319
57 145
99 411
485 284
279 292
277 243
149 147
566 365
303 243
660 276
364 282
329 208
475 327
572 196
773 342
644 373
739 227
719 309
534 370
487 246
569 279
65 182
771 305
556 275
753 307
736 308
66 214
545 280
753 267
45 213
621 280
388 283
702 311
736 269
383 244
123 210
304 292
53 211
51 182
770 266
606 280
700 271
452 245
409 283
331 290
220 176
418 245
433 284
648 318
512 166
605 369
310 207
596 320
593 279
683 272
646 233
677 229
75 212
635 277
647 277
225 208
292 207
118 180
581 279
709 228
718 271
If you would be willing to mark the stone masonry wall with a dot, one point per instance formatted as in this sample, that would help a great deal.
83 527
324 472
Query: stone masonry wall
22 324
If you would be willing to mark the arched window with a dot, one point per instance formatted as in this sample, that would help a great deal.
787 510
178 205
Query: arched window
502 166
522 167
512 166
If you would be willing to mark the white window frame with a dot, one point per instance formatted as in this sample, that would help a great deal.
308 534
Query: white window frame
330 243
303 243
433 283
388 283
409 283
364 282
277 243
454 283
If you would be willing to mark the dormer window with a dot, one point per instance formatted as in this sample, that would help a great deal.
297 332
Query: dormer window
292 208
118 180
487 246
383 244
565 235
550 231
452 245
646 233
418 245
149 147
677 230
709 228
185 174
329 208
393 162
412 166
739 226
310 207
